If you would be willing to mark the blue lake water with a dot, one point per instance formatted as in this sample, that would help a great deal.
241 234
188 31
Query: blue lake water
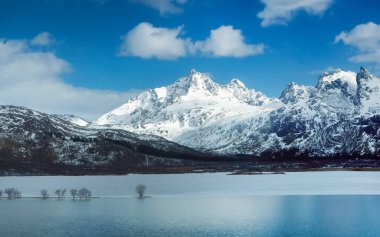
198 205
195 216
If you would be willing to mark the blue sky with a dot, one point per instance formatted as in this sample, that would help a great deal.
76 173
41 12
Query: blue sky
289 42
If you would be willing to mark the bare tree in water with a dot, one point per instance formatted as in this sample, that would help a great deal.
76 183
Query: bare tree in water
60 193
140 190
44 194
12 193
74 193
85 194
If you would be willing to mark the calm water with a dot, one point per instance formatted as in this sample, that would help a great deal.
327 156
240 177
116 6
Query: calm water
200 205
195 216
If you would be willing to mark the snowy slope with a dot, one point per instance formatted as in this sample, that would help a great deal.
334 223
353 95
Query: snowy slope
33 138
73 119
337 116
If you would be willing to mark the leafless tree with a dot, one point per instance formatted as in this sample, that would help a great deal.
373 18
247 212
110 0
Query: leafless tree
1 193
44 194
60 193
12 193
74 193
84 193
140 190
8 192
17 194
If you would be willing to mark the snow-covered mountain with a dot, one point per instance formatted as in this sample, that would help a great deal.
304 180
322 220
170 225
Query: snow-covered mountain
73 119
191 103
368 93
339 116
201 121
32 140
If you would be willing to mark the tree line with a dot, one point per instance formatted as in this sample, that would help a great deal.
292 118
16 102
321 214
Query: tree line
81 194
76 194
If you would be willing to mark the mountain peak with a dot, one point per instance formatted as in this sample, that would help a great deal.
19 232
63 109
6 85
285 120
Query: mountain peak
363 70
195 75
195 81
294 92
328 76
235 83
337 79
330 72
364 74
193 71
368 92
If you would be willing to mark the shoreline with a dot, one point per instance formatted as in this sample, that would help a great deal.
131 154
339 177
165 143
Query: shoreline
204 184
198 196
194 171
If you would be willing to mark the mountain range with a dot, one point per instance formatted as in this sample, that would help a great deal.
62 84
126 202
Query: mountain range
195 119
339 116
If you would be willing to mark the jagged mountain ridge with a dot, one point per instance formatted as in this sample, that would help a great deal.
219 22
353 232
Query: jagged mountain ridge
190 103
337 116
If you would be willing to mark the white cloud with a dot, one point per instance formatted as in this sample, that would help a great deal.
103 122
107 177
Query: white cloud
280 12
43 39
320 71
226 41
146 41
165 7
366 39
33 79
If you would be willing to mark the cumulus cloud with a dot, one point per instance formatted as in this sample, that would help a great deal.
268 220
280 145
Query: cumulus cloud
280 12
147 41
366 39
43 39
226 41
165 7
33 79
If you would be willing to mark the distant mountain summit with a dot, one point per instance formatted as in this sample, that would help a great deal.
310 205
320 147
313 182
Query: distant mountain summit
368 93
339 116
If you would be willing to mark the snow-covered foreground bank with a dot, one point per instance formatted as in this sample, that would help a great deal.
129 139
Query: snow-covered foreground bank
205 184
